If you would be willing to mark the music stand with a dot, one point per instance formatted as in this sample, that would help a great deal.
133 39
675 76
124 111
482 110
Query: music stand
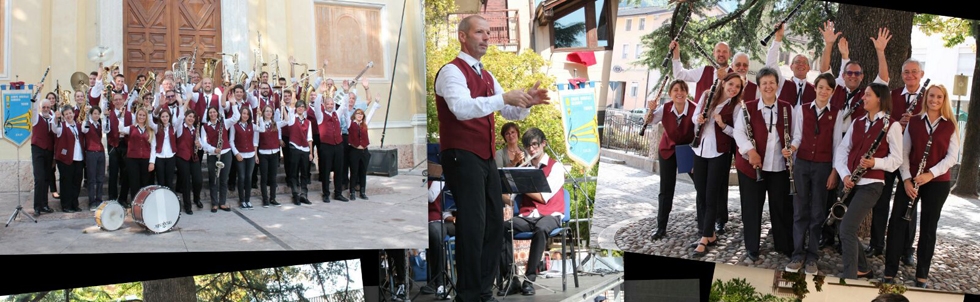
447 263
20 209
521 181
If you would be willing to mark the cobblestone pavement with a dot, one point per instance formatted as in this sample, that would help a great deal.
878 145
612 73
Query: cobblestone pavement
625 219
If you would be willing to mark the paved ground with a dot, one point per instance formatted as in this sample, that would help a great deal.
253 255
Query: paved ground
625 219
393 217
589 286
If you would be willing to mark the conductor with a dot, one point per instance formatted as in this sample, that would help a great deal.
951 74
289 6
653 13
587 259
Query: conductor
467 96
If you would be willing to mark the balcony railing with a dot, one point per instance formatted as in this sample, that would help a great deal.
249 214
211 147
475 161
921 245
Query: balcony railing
504 27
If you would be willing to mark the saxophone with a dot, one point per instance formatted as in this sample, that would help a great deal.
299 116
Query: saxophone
221 130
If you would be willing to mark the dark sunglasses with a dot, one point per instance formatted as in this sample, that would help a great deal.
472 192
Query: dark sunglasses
853 73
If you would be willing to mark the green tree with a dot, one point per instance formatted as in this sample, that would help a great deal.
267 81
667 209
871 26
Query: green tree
954 31
739 290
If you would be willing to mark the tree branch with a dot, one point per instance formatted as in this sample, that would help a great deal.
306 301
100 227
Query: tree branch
249 285
730 17
40 297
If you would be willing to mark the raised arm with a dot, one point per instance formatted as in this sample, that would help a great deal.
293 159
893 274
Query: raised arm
230 122
681 73
880 44
829 37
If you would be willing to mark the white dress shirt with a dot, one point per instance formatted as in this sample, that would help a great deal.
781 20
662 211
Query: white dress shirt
658 115
798 126
773 160
555 181
451 85
228 123
298 120
166 152
708 147
59 130
264 126
255 140
943 166
889 163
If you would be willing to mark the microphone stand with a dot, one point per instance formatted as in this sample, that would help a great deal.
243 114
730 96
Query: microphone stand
589 251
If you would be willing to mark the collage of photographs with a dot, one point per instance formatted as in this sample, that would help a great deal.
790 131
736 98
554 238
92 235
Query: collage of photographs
540 150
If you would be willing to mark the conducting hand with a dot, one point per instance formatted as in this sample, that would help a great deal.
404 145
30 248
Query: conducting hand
517 98
537 95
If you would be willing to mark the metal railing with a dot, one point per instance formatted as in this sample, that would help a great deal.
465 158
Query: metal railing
504 27
621 131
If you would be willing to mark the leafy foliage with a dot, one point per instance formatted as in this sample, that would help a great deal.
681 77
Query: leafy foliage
953 30
742 29
884 288
739 290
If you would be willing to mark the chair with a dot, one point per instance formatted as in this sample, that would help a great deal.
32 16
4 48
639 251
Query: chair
562 230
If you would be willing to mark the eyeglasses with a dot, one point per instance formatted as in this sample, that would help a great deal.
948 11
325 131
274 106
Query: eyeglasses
909 72
533 144
741 64
853 73
171 96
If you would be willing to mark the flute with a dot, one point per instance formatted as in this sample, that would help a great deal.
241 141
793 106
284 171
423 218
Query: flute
748 129
915 186
773 33
789 161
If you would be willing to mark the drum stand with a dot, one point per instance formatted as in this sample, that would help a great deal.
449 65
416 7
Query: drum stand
20 209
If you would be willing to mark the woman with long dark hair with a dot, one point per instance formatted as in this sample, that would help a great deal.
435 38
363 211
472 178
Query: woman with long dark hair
216 126
243 140
188 159
933 131
853 153
713 155
163 148
675 116
269 128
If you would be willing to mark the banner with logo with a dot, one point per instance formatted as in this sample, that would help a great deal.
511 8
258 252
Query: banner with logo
16 116
579 111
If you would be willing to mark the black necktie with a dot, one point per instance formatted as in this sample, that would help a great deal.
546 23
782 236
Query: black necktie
819 114
908 100
772 116
799 94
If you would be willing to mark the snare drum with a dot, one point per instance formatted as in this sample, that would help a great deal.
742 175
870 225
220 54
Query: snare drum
156 208
110 215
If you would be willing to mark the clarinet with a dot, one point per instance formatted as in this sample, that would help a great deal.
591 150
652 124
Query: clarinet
221 129
789 161
748 129
659 94
856 176
671 51
704 116
854 106
773 33
922 91
922 166
36 93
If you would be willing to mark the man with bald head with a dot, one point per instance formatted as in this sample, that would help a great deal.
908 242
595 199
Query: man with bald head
467 96
797 90
705 75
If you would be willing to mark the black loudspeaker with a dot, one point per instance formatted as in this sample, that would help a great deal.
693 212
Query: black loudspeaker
383 162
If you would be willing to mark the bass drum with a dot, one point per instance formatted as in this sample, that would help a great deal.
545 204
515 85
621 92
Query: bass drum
110 215
156 208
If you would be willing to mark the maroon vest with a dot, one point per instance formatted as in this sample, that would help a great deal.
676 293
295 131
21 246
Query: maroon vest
269 140
311 116
185 143
861 141
273 101
817 147
330 128
748 93
139 143
212 134
173 139
201 106
297 132
94 102
64 146
760 131
899 106
790 93
41 135
93 139
557 202
357 135
244 138
839 99
724 142
473 135
919 133
674 133
704 83
113 139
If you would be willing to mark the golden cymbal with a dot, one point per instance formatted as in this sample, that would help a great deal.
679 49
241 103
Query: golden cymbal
78 80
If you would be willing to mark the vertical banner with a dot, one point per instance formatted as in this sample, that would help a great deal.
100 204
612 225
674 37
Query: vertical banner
578 112
16 115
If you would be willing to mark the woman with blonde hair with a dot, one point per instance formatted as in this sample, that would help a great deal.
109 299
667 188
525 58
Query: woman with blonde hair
931 148
138 155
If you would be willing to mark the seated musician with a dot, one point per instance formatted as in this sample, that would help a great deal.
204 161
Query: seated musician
540 213
440 226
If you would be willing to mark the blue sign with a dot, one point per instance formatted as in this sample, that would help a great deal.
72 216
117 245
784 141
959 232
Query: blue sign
578 112
17 116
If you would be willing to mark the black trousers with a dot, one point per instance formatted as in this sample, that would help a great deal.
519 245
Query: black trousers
879 216
41 162
541 228
166 170
775 186
809 207
286 149
358 167
436 252
219 179
232 173
189 178
346 170
932 197
331 160
829 232
138 174
475 184
862 201
668 181
710 180
268 166
95 173
71 184
298 162
245 168
119 180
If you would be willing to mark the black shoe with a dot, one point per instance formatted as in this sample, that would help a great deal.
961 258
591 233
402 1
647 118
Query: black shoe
305 200
214 209
46 210
887 280
362 195
659 234
700 254
275 203
908 260
326 199
754 256
921 284
696 243
719 228
513 287
296 200
527 288
265 203
199 204
352 197
872 252
340 197
68 210
188 211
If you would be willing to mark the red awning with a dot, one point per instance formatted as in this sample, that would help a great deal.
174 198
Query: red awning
581 57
